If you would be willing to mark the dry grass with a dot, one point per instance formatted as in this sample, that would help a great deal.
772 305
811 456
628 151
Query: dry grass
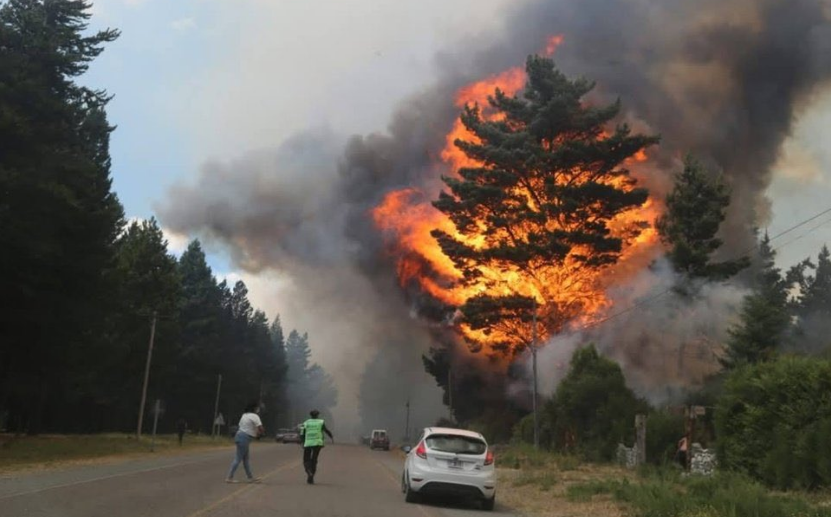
24 453
539 487
547 485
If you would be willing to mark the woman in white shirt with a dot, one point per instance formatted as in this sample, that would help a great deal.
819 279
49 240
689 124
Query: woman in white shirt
250 427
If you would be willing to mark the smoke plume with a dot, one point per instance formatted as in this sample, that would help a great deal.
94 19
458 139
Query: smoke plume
722 79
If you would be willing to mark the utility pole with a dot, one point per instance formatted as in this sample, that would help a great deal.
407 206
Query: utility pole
216 404
534 361
407 425
146 377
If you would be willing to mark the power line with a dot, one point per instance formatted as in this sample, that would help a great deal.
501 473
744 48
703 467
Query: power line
798 237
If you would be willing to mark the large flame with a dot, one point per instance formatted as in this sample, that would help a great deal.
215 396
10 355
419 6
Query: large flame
409 217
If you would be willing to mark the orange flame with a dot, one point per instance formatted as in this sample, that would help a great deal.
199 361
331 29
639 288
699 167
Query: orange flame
408 216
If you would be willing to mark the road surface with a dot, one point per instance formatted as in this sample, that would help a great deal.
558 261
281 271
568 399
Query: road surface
352 481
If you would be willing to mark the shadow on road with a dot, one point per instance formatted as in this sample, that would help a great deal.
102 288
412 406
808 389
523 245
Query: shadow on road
455 503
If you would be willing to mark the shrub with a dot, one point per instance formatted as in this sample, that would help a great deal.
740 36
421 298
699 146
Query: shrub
663 430
592 410
773 422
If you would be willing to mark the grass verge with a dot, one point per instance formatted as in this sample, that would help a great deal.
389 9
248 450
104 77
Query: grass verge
33 452
724 495
547 485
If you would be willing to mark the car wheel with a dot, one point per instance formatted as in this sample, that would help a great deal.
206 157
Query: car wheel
488 504
409 495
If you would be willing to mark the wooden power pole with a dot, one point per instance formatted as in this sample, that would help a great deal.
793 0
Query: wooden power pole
146 377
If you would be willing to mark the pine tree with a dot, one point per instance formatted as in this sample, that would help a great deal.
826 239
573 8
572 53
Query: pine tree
765 317
539 207
695 209
59 217
813 307
200 357
148 284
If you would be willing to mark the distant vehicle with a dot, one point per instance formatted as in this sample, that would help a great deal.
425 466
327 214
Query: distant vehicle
291 436
281 433
450 462
379 440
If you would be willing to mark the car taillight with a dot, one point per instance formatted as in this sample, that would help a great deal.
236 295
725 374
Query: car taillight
489 458
421 451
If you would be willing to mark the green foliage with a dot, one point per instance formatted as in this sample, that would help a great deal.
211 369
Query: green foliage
592 410
663 432
80 290
765 318
813 305
583 492
147 283
59 217
723 495
695 209
540 204
773 421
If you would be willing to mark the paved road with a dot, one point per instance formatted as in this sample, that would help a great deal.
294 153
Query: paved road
352 481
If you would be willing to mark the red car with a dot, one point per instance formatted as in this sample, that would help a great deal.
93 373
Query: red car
379 440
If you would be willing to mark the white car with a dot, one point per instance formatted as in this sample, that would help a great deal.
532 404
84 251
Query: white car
450 462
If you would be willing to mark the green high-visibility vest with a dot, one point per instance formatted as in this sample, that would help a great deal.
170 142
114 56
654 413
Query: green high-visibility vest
313 432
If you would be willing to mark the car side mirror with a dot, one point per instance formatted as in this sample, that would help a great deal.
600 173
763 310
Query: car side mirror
406 449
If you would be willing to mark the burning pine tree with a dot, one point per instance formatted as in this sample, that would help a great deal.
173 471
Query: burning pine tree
541 205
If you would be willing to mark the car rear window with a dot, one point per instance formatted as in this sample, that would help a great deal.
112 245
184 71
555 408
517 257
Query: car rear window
456 444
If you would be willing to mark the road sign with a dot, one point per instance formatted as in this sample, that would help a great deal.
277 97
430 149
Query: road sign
220 420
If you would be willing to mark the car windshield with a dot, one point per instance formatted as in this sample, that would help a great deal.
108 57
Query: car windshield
456 444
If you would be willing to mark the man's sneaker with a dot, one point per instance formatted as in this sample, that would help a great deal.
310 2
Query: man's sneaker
310 479
229 480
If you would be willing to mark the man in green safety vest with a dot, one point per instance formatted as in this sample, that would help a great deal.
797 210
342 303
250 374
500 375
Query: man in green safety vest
311 433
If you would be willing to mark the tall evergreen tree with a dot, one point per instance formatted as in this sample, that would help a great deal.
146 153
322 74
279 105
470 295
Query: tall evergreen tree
199 361
59 217
765 317
538 207
695 210
148 283
813 306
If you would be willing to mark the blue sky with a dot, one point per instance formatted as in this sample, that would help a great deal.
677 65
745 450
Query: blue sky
159 49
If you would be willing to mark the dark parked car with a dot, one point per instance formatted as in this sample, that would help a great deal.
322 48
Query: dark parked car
379 440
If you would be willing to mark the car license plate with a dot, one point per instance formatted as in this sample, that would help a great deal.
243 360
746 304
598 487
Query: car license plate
455 463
